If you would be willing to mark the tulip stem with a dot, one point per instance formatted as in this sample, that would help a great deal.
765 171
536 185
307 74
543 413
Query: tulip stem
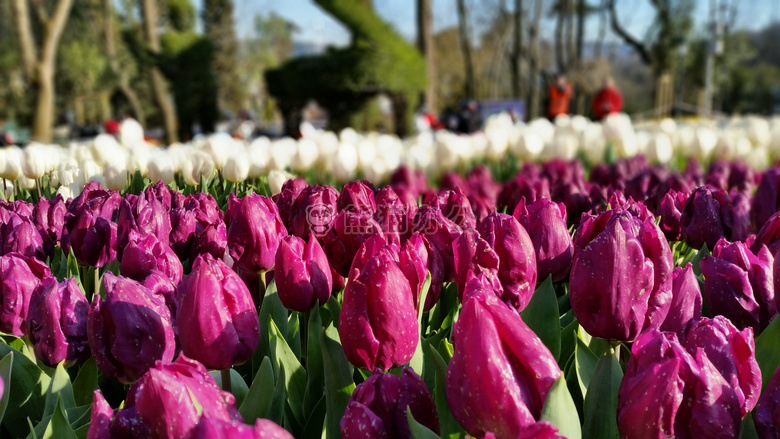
305 337
3 194
97 282
261 277
226 385
38 186
30 349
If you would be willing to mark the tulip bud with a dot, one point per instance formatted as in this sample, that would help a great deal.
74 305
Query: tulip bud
706 217
173 397
148 254
217 320
515 250
473 255
130 330
212 428
667 392
545 224
211 240
686 301
94 240
19 277
183 226
254 232
341 243
766 199
314 211
767 414
144 217
358 197
440 233
732 352
739 284
500 372
286 199
236 167
670 211
456 207
57 322
394 216
378 407
19 235
49 218
621 276
417 258
302 273
378 323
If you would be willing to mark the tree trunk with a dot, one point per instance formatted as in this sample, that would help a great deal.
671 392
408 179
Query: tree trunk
517 73
113 64
427 47
159 87
560 57
40 70
534 96
465 45
400 114
580 28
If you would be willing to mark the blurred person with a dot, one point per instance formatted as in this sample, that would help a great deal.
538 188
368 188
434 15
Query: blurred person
425 121
559 96
470 118
607 101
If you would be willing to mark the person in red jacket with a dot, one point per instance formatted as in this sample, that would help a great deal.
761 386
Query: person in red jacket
560 94
608 100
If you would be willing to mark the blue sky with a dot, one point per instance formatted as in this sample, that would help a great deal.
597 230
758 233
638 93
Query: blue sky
318 27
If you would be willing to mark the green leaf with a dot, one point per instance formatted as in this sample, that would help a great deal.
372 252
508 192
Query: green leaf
6 366
295 375
60 389
601 400
293 334
81 432
585 364
418 430
333 308
316 422
568 342
259 399
449 426
271 308
541 315
768 351
416 363
748 428
59 427
441 315
238 386
86 382
560 411
338 379
315 374
27 393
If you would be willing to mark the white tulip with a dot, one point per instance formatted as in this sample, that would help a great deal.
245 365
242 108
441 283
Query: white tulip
199 165
8 189
69 172
27 183
161 168
103 148
139 157
593 143
236 168
390 148
306 155
660 148
705 141
90 170
258 156
345 163
544 128
115 175
13 163
131 133
276 179
366 153
531 144
219 146
282 151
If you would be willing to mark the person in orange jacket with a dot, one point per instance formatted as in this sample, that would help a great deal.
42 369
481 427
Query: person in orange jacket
560 95
608 100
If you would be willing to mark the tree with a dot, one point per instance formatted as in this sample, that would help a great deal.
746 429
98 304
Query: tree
39 63
118 68
517 52
219 27
159 87
428 49
534 64
465 46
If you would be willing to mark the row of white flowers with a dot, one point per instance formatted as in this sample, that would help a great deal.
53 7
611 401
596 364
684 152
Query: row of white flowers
111 160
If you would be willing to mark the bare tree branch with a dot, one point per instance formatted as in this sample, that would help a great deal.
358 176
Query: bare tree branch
54 31
640 48
43 16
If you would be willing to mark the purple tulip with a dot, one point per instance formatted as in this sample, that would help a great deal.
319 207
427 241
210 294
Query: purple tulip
621 276
732 352
19 277
144 217
211 240
483 191
473 255
159 191
285 200
404 179
394 216
670 210
148 254
93 240
314 211
417 258
440 233
456 207
217 319
545 223
378 407
740 214
173 397
160 285
706 217
183 225
739 284
358 197
769 235
517 257
341 243
766 199
767 414
213 428
500 372
526 185
686 301
537 430
189 222
254 233
94 202
667 392
49 218
378 322
57 322
302 273
19 235
130 330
